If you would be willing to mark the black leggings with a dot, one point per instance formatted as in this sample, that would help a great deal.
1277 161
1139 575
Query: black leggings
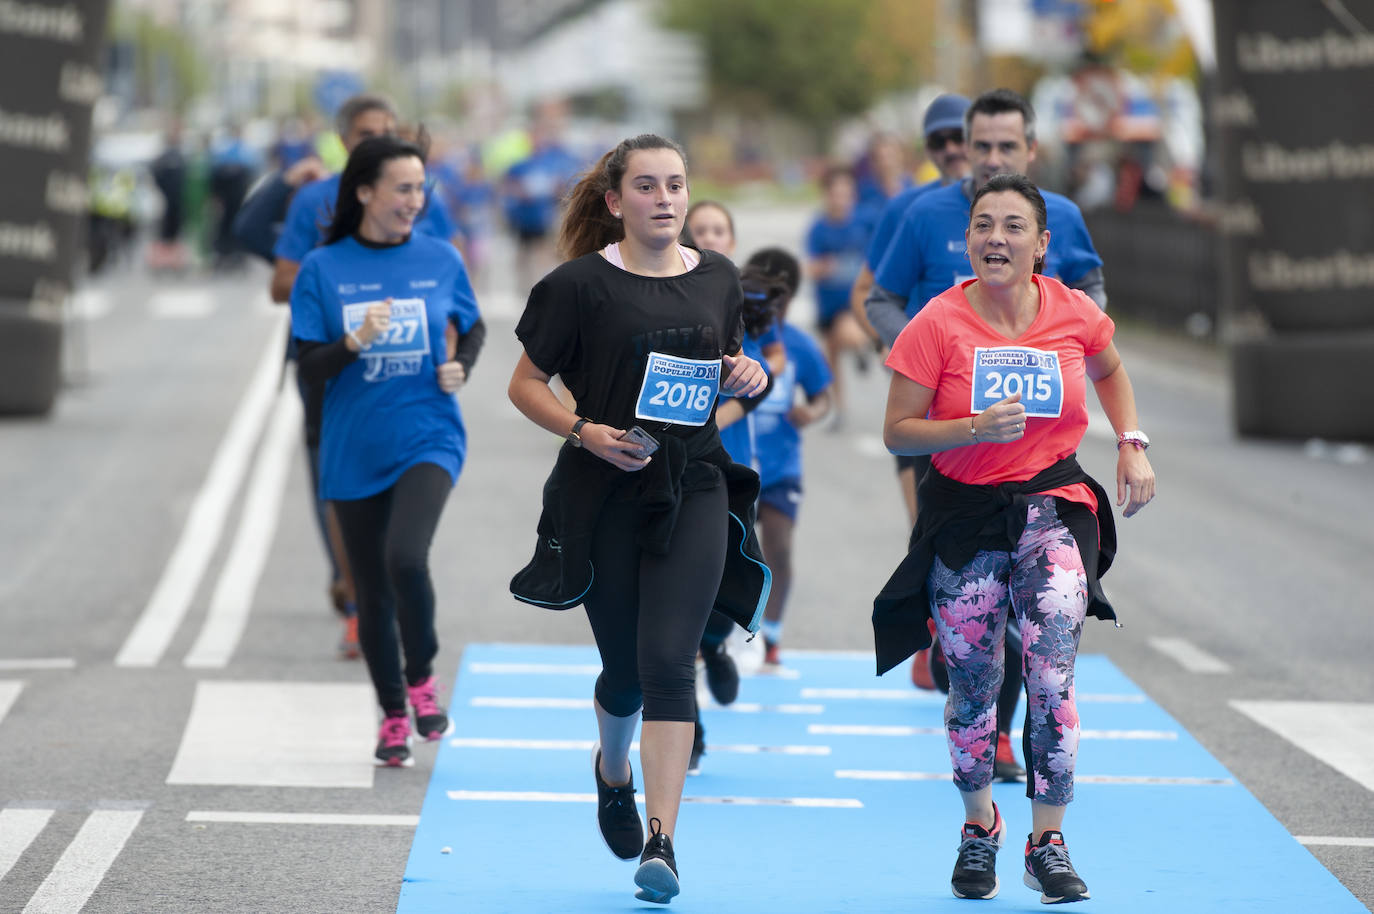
387 538
648 611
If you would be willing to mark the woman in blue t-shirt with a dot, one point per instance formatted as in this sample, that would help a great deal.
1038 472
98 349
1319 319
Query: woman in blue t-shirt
370 311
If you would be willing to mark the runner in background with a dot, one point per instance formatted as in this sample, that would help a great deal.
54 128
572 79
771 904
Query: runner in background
835 249
370 311
533 190
800 396
943 127
709 226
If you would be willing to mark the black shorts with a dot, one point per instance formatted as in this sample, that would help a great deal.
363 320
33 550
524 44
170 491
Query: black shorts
920 463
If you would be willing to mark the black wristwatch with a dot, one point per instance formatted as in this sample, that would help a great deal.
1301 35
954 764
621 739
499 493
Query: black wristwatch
573 437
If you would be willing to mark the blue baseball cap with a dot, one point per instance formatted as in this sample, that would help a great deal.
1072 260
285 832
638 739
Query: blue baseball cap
945 113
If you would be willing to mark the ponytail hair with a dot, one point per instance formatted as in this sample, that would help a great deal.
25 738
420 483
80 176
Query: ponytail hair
587 224
364 167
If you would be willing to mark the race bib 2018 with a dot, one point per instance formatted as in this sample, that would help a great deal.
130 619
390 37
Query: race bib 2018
677 390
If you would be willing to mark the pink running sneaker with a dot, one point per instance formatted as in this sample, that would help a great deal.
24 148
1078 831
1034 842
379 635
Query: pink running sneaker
431 719
393 743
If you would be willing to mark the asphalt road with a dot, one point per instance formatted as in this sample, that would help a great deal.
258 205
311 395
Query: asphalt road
1254 553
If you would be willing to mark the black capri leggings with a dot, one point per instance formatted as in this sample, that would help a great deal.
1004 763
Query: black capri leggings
648 611
387 539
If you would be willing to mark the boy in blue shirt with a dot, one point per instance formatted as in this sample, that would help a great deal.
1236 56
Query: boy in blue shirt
835 249
778 422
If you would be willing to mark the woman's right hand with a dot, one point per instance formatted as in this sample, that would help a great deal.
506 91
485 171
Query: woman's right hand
376 322
604 441
1002 422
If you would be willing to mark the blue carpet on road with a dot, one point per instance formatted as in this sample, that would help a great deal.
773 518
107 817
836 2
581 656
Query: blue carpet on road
812 799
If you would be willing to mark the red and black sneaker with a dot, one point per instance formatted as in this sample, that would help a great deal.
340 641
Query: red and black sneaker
1050 872
1005 767
975 869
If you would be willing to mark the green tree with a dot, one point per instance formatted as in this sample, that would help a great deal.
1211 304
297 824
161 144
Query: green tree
816 60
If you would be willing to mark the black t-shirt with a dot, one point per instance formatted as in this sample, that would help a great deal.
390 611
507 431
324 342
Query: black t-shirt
595 325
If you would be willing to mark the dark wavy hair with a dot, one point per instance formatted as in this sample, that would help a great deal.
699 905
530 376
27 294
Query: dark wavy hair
1019 184
588 225
364 167
770 278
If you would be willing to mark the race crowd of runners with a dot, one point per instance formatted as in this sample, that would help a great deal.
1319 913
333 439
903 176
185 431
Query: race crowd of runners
665 357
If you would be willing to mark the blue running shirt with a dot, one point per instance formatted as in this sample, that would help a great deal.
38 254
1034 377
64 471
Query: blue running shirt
926 255
845 241
777 441
385 413
890 218
313 206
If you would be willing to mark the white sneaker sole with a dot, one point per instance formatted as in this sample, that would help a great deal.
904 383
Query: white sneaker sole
1033 883
656 882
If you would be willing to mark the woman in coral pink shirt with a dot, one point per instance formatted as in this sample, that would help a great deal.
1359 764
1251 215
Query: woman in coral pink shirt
991 380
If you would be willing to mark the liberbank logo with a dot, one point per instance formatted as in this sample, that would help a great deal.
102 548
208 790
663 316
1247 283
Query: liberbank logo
40 20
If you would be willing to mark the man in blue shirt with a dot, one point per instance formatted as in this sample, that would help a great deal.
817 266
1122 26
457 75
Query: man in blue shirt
361 117
927 254
943 127
532 192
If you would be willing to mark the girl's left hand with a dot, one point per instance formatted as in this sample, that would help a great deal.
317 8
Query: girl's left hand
451 377
744 376
1133 472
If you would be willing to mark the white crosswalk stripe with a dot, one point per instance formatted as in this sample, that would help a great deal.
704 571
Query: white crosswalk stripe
82 866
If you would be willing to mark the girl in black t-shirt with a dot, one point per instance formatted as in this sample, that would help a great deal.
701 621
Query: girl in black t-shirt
643 331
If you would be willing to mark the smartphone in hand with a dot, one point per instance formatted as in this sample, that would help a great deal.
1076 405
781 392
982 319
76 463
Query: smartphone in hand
646 443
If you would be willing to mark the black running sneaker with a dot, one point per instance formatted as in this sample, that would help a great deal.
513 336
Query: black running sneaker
975 869
698 747
657 873
1050 872
393 742
617 814
722 676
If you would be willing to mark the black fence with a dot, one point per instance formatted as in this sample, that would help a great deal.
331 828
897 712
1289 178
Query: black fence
1160 267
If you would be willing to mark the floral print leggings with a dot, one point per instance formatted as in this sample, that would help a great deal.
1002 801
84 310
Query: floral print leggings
1043 582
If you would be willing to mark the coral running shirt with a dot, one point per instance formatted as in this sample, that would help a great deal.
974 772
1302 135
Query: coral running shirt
950 349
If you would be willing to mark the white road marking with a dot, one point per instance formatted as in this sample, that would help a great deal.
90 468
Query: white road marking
83 864
205 522
540 796
1327 841
301 818
863 775
902 730
38 663
910 695
182 304
582 704
278 734
535 669
238 579
18 828
1189 656
1340 733
584 745
90 304
9 691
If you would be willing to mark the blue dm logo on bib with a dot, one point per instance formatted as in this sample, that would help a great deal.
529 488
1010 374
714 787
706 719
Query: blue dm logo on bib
677 390
1004 371
402 351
